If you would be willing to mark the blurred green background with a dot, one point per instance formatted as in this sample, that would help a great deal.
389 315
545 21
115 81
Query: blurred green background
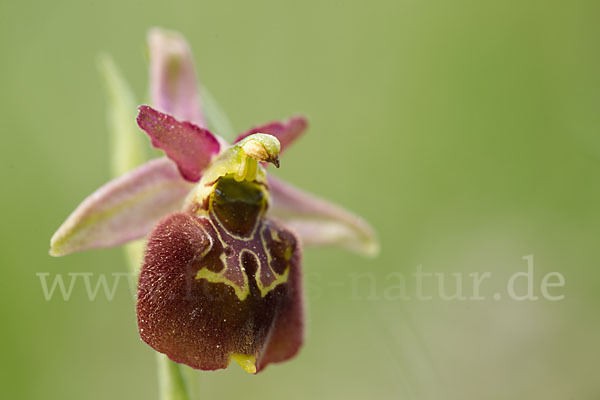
466 132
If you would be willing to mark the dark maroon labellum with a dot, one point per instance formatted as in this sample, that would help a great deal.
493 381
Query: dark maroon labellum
222 286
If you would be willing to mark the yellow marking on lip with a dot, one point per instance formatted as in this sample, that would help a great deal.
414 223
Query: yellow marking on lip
210 242
288 254
210 221
247 362
213 215
253 254
214 277
275 235
279 279
241 292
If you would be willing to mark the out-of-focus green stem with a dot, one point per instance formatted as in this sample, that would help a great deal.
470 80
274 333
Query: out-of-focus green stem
171 381
215 116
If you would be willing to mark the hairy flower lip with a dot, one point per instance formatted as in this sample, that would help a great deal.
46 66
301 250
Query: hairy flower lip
267 328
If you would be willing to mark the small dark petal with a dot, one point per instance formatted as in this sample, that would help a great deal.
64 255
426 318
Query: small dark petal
191 147
204 323
286 132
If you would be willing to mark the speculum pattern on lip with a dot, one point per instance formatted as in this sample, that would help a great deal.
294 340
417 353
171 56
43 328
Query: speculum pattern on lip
210 291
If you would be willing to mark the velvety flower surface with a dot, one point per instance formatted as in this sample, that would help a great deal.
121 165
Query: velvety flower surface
221 279
205 310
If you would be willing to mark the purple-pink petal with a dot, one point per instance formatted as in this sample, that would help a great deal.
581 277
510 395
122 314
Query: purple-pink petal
173 84
191 147
124 209
318 222
286 132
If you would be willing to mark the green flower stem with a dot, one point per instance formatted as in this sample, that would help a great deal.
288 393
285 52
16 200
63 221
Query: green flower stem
171 381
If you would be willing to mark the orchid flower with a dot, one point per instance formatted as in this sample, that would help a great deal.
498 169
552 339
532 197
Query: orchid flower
221 279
